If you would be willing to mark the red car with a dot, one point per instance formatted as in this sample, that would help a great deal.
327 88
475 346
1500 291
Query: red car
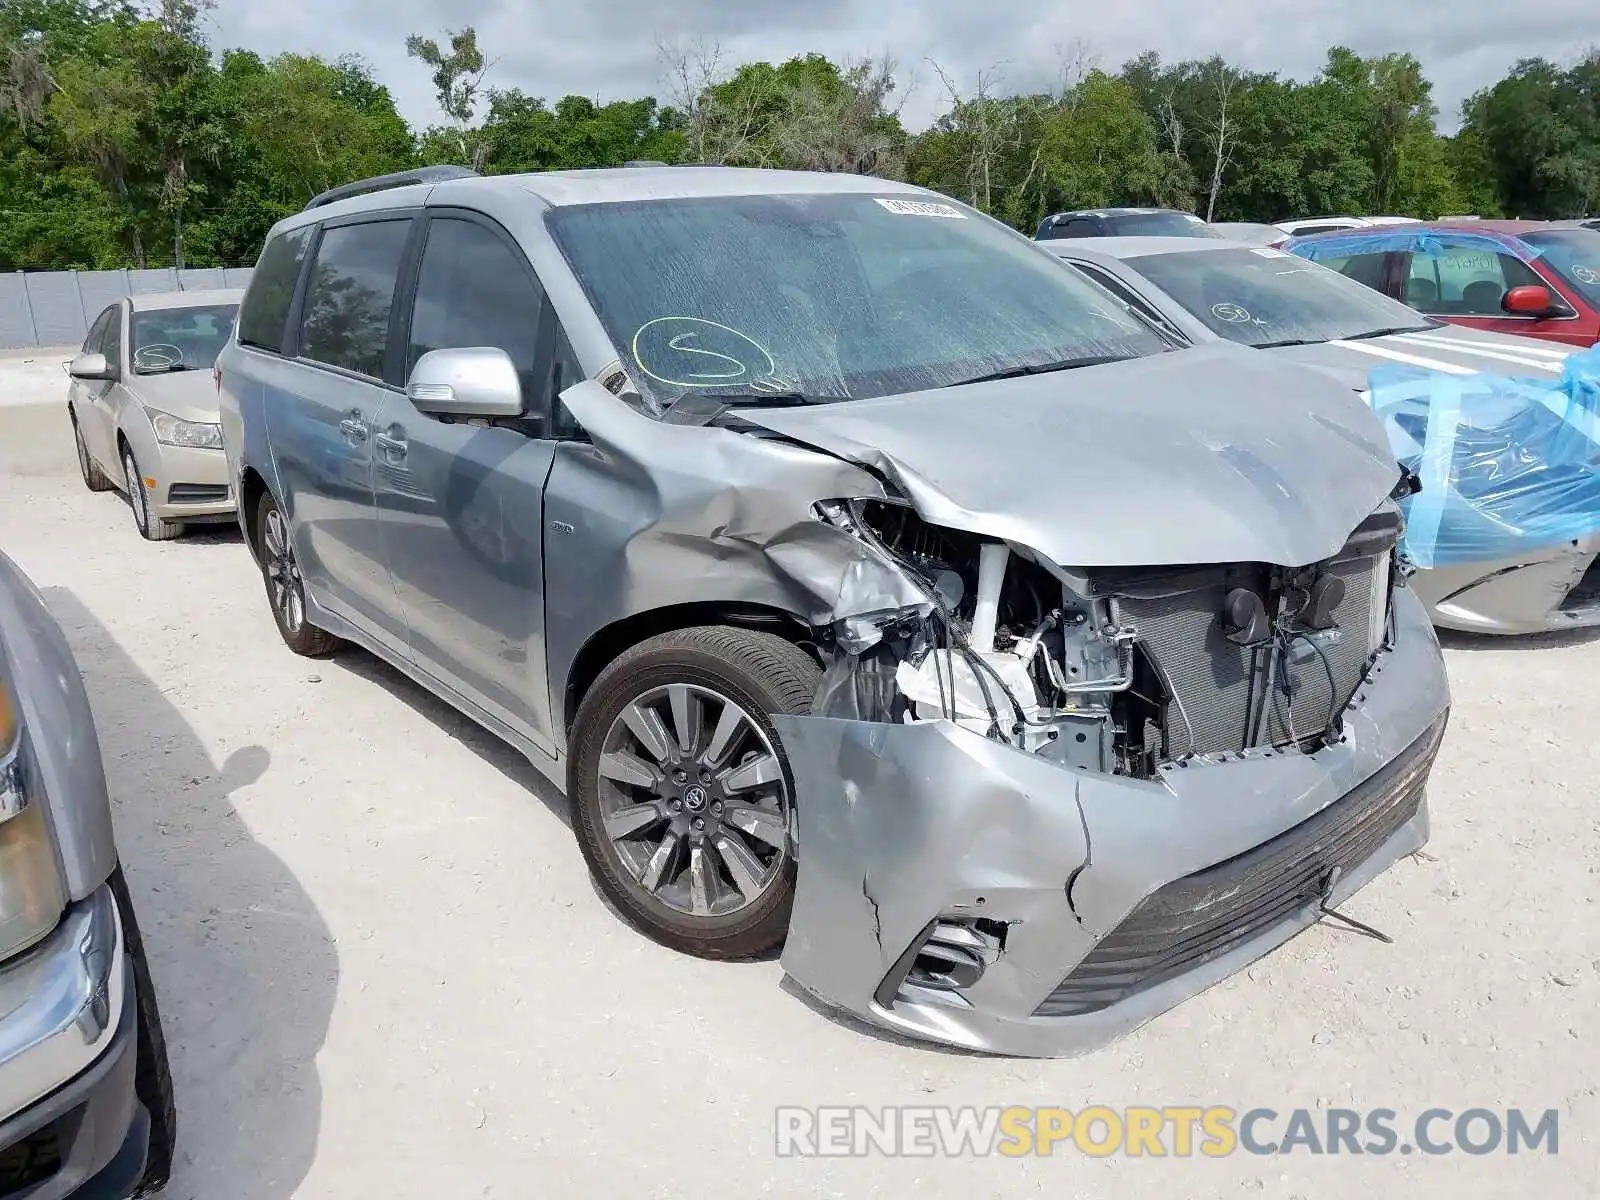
1530 278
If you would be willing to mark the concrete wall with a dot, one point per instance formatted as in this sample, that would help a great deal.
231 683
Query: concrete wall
56 308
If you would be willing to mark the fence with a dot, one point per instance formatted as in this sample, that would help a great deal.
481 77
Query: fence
56 308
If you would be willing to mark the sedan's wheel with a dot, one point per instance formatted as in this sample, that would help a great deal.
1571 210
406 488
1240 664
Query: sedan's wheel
93 477
683 802
151 527
285 588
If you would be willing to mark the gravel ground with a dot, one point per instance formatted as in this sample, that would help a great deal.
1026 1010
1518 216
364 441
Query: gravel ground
384 970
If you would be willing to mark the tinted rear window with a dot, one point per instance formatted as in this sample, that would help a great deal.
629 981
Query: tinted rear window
1160 224
346 318
266 304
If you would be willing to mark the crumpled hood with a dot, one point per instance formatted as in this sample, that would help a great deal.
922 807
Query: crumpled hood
187 395
1209 455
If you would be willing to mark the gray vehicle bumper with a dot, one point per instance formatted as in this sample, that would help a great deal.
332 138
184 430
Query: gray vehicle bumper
1111 899
1556 589
67 1060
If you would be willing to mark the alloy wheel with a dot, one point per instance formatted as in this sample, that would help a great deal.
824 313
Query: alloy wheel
136 496
283 573
694 800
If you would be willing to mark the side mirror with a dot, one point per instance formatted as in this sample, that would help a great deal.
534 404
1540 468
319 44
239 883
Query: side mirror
1530 300
91 366
473 381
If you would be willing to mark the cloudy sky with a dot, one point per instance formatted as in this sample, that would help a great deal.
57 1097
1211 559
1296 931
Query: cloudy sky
607 48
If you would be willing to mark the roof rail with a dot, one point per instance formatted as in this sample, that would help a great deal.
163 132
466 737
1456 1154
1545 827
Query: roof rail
380 183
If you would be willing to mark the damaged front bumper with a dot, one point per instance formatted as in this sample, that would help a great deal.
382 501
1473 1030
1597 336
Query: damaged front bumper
958 890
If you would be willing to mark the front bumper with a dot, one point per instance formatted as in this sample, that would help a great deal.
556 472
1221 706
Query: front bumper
905 826
70 1123
1557 589
191 484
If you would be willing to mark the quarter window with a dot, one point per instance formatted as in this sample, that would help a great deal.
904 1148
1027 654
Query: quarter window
346 321
95 342
474 290
266 304
113 338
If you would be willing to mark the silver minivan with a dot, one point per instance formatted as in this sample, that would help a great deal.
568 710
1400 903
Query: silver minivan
872 586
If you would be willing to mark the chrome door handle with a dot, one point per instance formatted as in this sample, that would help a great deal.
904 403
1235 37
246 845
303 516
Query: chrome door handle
392 448
353 428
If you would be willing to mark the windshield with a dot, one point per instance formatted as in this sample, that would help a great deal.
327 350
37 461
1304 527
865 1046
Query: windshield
1159 224
1575 255
827 297
180 339
1269 298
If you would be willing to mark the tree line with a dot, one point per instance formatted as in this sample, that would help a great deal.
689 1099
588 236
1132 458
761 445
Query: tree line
126 141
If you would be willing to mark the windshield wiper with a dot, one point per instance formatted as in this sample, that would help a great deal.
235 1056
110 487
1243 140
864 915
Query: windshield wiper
1289 342
1065 364
1378 333
702 408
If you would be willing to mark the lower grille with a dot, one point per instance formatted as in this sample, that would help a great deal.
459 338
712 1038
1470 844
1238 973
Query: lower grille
197 493
1202 916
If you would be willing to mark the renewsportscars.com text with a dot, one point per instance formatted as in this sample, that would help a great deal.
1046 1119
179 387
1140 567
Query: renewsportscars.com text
1146 1132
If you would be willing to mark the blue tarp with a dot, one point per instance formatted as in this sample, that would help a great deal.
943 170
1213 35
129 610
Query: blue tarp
1430 243
1507 465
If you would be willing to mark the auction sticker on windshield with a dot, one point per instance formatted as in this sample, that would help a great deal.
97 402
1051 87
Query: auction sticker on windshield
921 208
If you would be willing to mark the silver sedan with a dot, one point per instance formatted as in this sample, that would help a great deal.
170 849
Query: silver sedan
143 405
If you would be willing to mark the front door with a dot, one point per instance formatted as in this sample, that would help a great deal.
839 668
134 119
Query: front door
91 397
462 502
322 425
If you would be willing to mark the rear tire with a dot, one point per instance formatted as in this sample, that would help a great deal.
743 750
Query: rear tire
94 478
152 1079
151 527
286 594
708 870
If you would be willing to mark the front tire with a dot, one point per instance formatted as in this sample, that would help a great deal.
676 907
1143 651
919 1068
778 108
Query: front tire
286 592
151 527
682 796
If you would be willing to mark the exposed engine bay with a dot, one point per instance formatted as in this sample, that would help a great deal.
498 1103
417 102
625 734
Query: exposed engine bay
1121 671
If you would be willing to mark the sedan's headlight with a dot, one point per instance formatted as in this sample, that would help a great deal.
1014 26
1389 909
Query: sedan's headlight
31 895
170 431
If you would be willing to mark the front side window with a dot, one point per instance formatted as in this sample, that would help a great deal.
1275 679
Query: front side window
346 321
1574 254
475 291
829 297
1466 281
1122 292
266 303
1268 298
1365 269
180 339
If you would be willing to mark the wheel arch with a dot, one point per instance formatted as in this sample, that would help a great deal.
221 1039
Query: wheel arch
252 488
610 642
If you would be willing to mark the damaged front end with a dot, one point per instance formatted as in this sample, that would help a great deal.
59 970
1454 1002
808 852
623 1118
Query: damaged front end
1042 804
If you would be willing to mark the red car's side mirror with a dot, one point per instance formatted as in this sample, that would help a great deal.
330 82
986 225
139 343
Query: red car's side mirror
1528 301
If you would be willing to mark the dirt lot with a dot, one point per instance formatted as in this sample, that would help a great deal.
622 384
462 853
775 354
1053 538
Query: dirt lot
385 973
